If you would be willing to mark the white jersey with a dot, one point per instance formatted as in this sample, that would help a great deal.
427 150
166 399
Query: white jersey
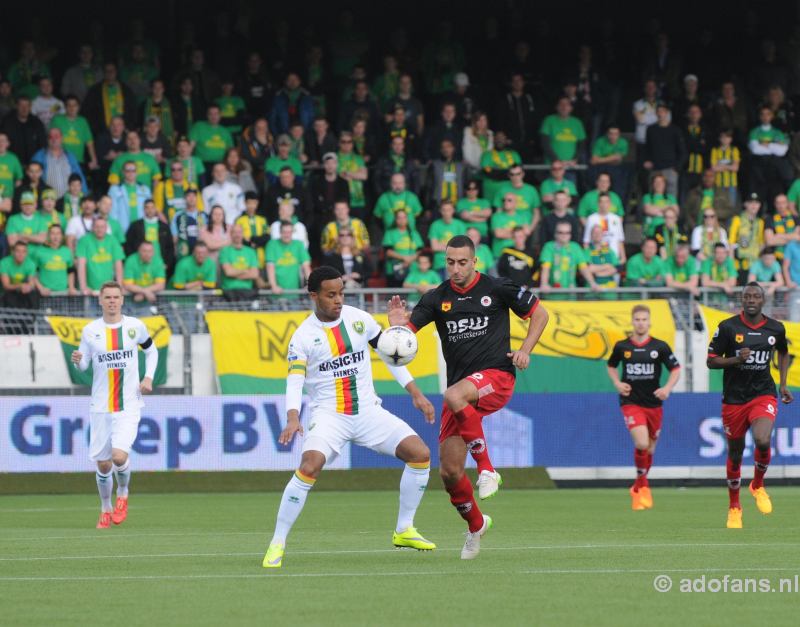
112 351
335 360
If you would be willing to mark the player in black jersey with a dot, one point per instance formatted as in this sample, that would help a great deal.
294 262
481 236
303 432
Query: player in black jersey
641 395
743 345
471 313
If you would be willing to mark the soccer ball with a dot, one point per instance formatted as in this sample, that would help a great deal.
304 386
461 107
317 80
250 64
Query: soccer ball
397 346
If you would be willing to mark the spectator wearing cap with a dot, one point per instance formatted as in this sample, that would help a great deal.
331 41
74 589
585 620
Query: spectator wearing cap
517 116
185 226
170 194
746 235
49 211
464 99
328 188
224 193
282 159
665 149
28 226
154 142
255 230
291 102
128 197
319 141
689 96
209 138
57 163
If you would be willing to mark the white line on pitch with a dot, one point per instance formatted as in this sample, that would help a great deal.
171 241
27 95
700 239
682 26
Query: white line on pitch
554 547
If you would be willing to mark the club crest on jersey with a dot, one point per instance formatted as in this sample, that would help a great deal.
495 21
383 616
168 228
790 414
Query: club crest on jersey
739 338
771 340
486 301
358 327
653 354
131 333
627 354
447 305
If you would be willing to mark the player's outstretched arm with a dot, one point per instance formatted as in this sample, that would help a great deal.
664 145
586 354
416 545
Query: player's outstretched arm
397 313
783 365
521 358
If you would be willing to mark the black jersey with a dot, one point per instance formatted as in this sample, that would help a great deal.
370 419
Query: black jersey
473 323
641 368
744 382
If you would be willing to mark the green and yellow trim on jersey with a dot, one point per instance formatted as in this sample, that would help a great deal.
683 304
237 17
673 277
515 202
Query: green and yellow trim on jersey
116 376
346 387
297 366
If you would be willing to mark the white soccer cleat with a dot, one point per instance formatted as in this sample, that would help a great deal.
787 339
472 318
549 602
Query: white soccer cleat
472 545
489 483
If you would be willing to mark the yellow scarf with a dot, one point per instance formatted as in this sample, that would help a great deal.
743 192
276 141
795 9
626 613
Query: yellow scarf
112 106
449 187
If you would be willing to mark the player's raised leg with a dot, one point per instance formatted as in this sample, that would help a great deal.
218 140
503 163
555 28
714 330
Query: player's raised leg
461 399
417 456
452 454
761 428
292 503
733 471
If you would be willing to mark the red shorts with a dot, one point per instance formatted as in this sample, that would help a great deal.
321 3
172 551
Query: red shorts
495 388
737 418
650 417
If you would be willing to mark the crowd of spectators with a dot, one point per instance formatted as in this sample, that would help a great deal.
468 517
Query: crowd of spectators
246 173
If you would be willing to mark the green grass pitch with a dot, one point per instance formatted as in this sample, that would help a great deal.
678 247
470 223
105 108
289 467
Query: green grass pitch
554 557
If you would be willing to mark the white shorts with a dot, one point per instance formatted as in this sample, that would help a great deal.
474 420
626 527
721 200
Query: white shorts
375 428
112 430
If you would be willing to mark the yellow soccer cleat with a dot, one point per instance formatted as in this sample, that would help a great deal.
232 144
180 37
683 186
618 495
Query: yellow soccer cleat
763 502
636 500
645 497
734 518
274 556
412 539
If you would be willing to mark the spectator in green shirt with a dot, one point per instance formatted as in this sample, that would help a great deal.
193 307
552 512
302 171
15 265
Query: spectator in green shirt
231 108
603 261
563 136
18 278
288 262
353 169
561 260
148 172
48 211
681 270
421 276
495 164
483 254
55 270
145 275
504 221
771 170
646 269
656 203
767 271
77 137
401 246
239 263
98 258
27 226
588 203
397 199
442 231
556 183
196 271
10 175
277 162
209 138
473 210
608 155
719 271
527 197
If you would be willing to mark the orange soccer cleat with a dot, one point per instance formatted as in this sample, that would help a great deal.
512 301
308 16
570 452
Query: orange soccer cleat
763 501
120 512
636 500
734 518
104 522
646 497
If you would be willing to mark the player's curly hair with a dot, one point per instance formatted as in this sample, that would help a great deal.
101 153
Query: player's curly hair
323 273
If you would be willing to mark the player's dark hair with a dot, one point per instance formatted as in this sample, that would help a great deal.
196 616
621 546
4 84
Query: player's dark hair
461 241
756 285
720 245
110 285
318 275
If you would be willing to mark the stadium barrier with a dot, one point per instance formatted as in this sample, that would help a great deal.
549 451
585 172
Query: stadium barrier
575 436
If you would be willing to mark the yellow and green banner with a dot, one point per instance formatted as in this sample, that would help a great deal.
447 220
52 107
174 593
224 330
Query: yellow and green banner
572 352
69 331
250 353
713 317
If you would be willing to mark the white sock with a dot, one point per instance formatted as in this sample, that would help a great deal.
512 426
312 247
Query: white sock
123 475
292 502
104 486
412 488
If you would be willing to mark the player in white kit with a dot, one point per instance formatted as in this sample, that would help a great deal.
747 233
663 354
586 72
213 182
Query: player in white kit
110 346
329 353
